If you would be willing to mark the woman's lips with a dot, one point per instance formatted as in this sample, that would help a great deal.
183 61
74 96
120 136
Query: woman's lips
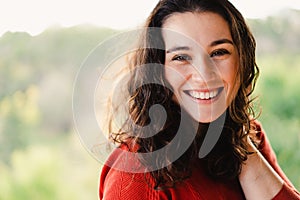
204 94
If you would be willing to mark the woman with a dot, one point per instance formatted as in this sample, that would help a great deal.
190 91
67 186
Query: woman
206 74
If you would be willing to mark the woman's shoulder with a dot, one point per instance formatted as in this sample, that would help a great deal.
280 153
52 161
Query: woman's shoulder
118 184
124 177
125 158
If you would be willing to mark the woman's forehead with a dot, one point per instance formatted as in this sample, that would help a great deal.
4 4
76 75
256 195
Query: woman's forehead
201 27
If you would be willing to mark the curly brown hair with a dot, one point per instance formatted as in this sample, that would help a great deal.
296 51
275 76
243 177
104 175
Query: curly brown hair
147 86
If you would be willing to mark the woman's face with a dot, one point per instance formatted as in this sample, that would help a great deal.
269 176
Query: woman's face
201 63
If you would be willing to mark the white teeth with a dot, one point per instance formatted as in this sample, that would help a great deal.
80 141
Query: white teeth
207 95
203 95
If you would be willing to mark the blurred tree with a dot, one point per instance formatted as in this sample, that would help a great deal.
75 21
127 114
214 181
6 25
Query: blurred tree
19 119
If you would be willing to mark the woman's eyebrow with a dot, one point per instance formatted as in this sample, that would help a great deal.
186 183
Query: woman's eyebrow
221 41
214 43
178 48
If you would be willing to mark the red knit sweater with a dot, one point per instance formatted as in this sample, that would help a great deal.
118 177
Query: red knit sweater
116 184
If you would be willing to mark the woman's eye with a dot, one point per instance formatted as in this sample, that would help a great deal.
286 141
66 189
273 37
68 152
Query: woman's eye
182 58
219 52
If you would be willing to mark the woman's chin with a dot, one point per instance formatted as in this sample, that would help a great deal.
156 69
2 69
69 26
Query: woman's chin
206 119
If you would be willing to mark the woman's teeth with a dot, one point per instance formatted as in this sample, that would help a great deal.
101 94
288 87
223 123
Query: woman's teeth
203 95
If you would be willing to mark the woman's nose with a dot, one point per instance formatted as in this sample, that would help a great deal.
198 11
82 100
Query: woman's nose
203 70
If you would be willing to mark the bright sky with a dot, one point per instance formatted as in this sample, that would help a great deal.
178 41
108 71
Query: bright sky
34 16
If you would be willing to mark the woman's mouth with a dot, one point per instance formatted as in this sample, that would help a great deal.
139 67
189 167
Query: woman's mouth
204 94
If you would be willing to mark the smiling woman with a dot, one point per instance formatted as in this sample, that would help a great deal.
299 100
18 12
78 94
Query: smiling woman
206 75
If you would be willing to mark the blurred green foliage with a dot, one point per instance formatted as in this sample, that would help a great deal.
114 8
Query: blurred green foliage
50 170
41 156
278 56
278 91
